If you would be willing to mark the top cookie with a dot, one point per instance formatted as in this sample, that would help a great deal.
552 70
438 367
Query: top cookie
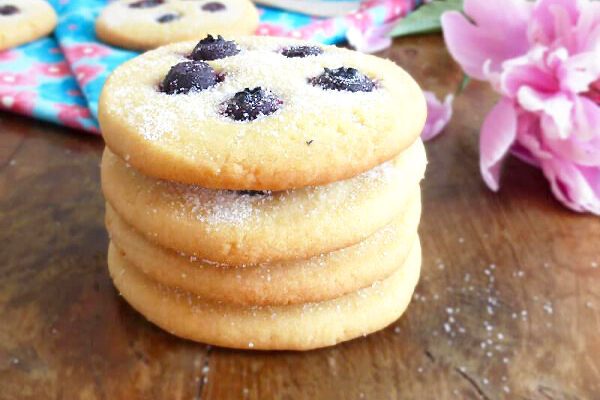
147 24
259 113
22 21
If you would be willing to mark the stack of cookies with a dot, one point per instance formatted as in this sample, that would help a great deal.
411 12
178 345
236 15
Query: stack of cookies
263 193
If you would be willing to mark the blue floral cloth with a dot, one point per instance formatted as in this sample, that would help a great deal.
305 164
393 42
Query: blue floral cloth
35 80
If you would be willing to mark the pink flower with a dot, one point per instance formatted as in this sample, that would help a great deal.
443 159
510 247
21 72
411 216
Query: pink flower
367 37
544 59
438 115
370 39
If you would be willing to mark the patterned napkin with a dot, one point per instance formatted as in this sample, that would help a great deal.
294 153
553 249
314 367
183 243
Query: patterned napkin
51 93
35 80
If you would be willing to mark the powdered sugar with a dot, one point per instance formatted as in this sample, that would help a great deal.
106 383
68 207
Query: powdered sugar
216 207
382 173
226 207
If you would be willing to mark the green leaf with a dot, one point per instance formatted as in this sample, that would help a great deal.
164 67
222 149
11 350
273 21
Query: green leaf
463 84
425 19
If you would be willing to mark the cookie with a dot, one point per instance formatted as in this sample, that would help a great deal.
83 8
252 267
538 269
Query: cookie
323 277
279 113
293 327
23 21
245 227
147 24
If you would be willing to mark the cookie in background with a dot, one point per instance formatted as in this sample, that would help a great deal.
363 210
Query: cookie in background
23 21
147 24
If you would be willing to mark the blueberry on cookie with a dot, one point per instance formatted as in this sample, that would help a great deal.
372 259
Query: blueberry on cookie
252 192
8 9
250 104
211 48
146 3
189 76
165 18
348 79
213 6
301 51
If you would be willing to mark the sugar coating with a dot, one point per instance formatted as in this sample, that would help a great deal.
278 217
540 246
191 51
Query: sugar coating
217 207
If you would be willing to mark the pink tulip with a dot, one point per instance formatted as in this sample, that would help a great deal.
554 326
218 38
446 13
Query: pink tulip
438 115
543 57
371 39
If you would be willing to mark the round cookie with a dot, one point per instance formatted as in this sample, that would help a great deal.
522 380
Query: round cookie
323 277
23 21
293 327
147 24
246 228
275 114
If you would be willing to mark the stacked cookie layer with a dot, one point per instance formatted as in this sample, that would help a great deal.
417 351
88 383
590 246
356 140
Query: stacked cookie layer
279 217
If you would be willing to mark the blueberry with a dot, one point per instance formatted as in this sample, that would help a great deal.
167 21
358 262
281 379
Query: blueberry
301 51
213 6
146 3
252 193
8 9
211 48
249 104
167 18
347 79
189 76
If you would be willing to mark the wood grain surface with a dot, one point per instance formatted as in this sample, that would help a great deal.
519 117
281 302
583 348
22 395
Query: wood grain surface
508 305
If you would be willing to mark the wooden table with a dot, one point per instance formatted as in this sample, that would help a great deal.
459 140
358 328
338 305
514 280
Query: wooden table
508 305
